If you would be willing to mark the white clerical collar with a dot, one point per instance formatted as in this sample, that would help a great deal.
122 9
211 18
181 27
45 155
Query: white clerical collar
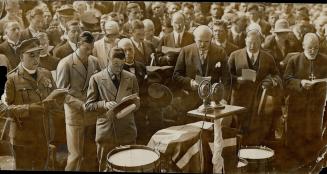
28 70
254 54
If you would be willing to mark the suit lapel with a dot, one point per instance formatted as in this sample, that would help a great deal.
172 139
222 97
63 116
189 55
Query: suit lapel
78 66
90 71
122 86
196 60
108 83
243 59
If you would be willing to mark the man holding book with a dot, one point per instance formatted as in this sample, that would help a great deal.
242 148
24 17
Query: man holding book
115 123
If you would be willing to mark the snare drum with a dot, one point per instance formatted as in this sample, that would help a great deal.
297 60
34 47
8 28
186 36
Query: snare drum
258 157
133 158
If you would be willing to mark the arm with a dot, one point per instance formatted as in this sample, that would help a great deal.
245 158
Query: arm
291 82
136 90
179 75
93 102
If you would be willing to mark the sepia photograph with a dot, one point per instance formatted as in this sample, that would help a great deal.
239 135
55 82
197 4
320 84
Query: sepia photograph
163 86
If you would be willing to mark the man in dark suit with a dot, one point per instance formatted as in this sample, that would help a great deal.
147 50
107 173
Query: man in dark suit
106 89
133 13
236 33
246 92
202 58
306 122
220 30
142 48
8 47
35 18
179 37
69 45
73 73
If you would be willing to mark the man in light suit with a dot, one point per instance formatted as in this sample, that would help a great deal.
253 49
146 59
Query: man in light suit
103 46
73 73
106 89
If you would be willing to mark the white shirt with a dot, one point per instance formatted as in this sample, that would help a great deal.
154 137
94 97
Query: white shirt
255 55
176 36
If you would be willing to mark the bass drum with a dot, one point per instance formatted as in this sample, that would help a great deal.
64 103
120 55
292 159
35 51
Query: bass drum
259 158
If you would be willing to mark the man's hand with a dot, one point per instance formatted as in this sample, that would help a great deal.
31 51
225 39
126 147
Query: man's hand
306 84
194 85
110 105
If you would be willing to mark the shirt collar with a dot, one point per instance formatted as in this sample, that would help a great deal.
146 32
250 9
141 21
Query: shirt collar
12 42
250 54
28 70
111 74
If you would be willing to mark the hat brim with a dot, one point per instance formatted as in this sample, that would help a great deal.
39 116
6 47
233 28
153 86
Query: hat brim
33 49
282 30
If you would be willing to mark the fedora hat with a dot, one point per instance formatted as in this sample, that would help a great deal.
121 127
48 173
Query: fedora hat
281 25
159 95
90 22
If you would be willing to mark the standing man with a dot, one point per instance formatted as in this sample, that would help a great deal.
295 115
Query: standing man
202 58
73 73
25 94
35 18
103 46
8 47
306 100
247 93
106 89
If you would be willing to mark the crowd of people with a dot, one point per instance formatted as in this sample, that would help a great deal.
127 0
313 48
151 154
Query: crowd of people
101 51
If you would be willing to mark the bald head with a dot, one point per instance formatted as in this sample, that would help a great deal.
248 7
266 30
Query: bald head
127 45
202 36
310 45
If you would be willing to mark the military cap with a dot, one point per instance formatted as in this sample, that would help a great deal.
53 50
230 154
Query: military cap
29 45
90 22
66 10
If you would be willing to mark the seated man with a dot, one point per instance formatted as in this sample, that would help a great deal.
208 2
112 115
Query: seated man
106 89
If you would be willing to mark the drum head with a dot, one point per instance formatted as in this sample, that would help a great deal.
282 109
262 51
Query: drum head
133 158
255 153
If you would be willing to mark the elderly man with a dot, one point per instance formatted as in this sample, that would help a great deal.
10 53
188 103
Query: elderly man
246 92
35 18
73 73
220 31
305 122
202 58
103 46
8 47
149 33
106 89
70 44
179 37
26 91
142 48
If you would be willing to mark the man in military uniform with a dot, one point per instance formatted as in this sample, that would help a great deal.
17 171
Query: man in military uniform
25 94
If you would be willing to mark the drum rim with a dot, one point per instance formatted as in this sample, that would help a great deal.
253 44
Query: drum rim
243 160
256 147
133 168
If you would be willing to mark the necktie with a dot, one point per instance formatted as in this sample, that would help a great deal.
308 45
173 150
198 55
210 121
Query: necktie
202 57
115 81
252 59
140 47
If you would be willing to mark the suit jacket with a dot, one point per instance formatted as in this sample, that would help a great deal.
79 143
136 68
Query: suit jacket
101 52
62 50
238 42
55 35
169 40
22 90
49 62
144 58
189 65
9 52
101 90
140 73
71 74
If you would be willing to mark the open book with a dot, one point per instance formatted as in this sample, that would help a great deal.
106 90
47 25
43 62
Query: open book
319 81
249 74
166 50
125 102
